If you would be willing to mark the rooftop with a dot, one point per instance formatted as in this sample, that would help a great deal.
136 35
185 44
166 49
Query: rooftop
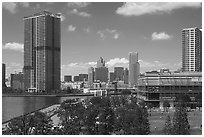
44 13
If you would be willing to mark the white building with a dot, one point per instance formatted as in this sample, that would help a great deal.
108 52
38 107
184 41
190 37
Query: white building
192 49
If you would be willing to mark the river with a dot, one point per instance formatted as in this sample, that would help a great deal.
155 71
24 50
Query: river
16 106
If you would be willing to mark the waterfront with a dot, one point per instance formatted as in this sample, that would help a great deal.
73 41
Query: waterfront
16 106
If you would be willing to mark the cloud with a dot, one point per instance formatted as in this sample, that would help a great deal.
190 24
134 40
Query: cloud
82 14
141 8
117 61
71 28
78 4
13 6
14 46
160 36
62 17
10 6
87 30
108 33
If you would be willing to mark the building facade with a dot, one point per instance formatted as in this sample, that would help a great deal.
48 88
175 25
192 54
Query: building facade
126 76
83 77
17 82
133 68
118 72
101 74
90 77
68 78
111 76
100 63
166 86
3 75
192 49
42 43
76 78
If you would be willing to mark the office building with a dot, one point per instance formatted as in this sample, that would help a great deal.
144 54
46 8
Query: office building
3 75
100 63
112 76
133 69
155 87
118 72
76 78
126 74
192 49
68 78
90 77
42 45
101 74
17 82
83 77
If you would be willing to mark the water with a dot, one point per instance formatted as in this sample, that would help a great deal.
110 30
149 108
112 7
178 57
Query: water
16 106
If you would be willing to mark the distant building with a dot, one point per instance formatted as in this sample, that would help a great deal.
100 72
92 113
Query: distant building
42 45
76 78
100 63
166 86
118 72
17 82
101 74
83 77
68 78
126 76
90 76
133 68
192 49
3 75
111 76
164 70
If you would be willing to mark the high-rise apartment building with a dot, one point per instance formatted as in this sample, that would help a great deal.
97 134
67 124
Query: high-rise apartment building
133 68
126 74
191 49
90 77
118 72
42 42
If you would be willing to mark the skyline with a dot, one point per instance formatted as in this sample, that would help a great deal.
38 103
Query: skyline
155 33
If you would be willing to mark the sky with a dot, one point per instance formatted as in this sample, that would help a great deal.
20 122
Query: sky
109 30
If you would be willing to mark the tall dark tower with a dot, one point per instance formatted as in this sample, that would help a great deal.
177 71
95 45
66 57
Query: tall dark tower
42 43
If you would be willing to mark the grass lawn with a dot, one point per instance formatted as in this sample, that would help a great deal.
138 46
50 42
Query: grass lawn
157 121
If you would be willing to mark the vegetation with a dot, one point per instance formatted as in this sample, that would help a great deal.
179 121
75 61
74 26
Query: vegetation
95 116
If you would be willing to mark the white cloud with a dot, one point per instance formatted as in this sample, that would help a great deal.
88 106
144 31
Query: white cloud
87 30
117 61
10 6
160 36
13 6
71 28
82 14
14 46
141 8
78 4
108 33
63 17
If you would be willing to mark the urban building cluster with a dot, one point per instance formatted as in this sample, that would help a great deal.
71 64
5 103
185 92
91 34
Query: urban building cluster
41 71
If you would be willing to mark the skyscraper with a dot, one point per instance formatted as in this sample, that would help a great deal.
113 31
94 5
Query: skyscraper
42 44
3 75
118 72
101 72
133 68
111 76
191 49
90 76
126 73
100 63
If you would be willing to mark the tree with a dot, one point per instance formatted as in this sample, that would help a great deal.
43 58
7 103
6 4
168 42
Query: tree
180 121
71 114
166 105
37 124
183 99
168 126
99 116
